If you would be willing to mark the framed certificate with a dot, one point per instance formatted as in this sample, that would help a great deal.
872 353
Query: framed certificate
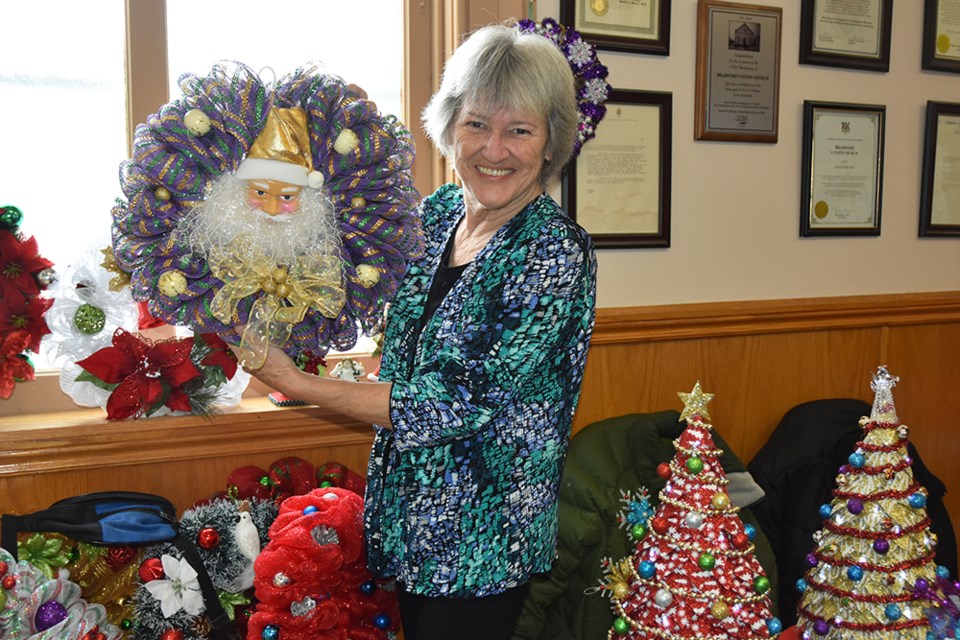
738 72
941 35
634 26
841 188
619 187
846 33
940 192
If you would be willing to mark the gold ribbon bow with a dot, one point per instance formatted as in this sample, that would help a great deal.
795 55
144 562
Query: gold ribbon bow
287 293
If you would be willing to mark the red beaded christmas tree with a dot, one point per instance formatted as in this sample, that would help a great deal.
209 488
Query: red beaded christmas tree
875 548
693 573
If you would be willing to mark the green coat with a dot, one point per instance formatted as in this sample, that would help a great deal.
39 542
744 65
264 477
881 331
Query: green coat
605 458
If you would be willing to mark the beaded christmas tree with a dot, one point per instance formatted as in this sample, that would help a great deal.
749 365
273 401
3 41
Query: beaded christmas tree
875 546
694 574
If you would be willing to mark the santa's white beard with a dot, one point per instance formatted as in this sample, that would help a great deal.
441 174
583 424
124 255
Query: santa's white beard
225 223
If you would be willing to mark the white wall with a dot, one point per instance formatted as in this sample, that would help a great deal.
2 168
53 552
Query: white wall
736 206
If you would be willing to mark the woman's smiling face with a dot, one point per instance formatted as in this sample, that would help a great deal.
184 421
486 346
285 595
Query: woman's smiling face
498 156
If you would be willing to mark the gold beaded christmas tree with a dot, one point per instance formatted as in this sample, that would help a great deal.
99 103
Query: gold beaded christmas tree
875 545
694 573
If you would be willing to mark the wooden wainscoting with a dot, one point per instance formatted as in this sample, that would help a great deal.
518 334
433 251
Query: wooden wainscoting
759 358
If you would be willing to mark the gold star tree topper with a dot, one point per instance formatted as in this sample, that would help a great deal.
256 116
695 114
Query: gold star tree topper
695 403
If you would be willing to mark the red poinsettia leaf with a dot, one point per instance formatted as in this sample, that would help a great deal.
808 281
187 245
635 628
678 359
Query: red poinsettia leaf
180 374
110 364
125 401
178 400
220 355
14 343
131 344
12 369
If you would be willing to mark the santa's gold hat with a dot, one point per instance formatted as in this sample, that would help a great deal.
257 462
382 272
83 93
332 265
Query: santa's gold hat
282 151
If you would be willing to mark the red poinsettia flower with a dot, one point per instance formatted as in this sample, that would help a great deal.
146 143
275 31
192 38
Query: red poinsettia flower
144 371
12 366
17 313
20 263
220 355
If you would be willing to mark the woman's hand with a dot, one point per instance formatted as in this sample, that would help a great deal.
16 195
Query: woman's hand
278 371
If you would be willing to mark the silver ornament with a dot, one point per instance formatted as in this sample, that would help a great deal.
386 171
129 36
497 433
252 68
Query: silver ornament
324 535
47 277
303 607
663 598
281 580
694 520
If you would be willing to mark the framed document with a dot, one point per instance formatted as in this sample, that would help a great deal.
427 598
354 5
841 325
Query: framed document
846 33
619 187
941 35
634 26
841 188
738 72
940 192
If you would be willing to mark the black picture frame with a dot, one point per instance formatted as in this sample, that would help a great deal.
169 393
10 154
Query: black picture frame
839 55
580 196
932 209
848 139
575 15
941 41
737 93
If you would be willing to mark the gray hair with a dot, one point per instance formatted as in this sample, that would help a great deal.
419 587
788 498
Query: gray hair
498 68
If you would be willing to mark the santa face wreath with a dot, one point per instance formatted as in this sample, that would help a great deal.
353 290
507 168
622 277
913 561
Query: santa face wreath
280 215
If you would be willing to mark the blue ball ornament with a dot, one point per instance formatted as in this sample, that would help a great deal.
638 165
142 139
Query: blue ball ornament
918 501
774 626
647 569
270 632
381 621
801 585
750 530
857 460
943 572
309 509
368 587
826 511
892 611
855 573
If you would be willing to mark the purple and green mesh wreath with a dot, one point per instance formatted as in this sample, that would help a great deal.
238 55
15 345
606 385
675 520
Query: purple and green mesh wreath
172 169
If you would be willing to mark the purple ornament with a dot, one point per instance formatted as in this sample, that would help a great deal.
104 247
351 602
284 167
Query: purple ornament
881 546
921 584
811 560
821 627
49 614
855 506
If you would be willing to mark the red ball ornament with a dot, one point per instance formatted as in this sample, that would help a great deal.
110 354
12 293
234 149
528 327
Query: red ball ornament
3 567
172 634
663 470
9 582
741 541
118 557
660 525
208 538
151 569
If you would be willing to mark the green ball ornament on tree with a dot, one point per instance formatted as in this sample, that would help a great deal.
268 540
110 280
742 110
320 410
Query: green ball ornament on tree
706 561
694 465
10 217
761 584
638 532
89 320
621 626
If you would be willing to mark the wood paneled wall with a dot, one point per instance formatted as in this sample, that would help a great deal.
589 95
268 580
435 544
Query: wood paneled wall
759 358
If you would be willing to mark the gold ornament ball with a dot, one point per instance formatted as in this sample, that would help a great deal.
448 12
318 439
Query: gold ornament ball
620 590
346 142
368 275
196 122
719 610
172 283
358 202
163 193
284 290
720 500
280 275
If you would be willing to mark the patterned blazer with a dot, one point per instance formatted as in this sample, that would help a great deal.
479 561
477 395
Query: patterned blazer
462 494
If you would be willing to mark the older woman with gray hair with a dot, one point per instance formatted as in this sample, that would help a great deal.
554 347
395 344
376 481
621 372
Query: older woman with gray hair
484 349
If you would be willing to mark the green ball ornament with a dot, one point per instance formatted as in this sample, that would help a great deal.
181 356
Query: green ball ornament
694 465
10 217
638 532
761 584
89 320
621 626
707 562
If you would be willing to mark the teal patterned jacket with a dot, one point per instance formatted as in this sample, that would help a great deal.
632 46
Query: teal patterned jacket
461 495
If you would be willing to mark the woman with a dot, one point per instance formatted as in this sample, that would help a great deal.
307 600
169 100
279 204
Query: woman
483 353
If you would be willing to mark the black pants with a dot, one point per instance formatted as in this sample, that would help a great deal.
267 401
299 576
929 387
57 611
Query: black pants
490 618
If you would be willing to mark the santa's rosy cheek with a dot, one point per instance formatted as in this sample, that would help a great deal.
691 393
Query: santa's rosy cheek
289 207
255 203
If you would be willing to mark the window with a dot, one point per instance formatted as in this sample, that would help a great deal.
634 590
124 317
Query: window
72 96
